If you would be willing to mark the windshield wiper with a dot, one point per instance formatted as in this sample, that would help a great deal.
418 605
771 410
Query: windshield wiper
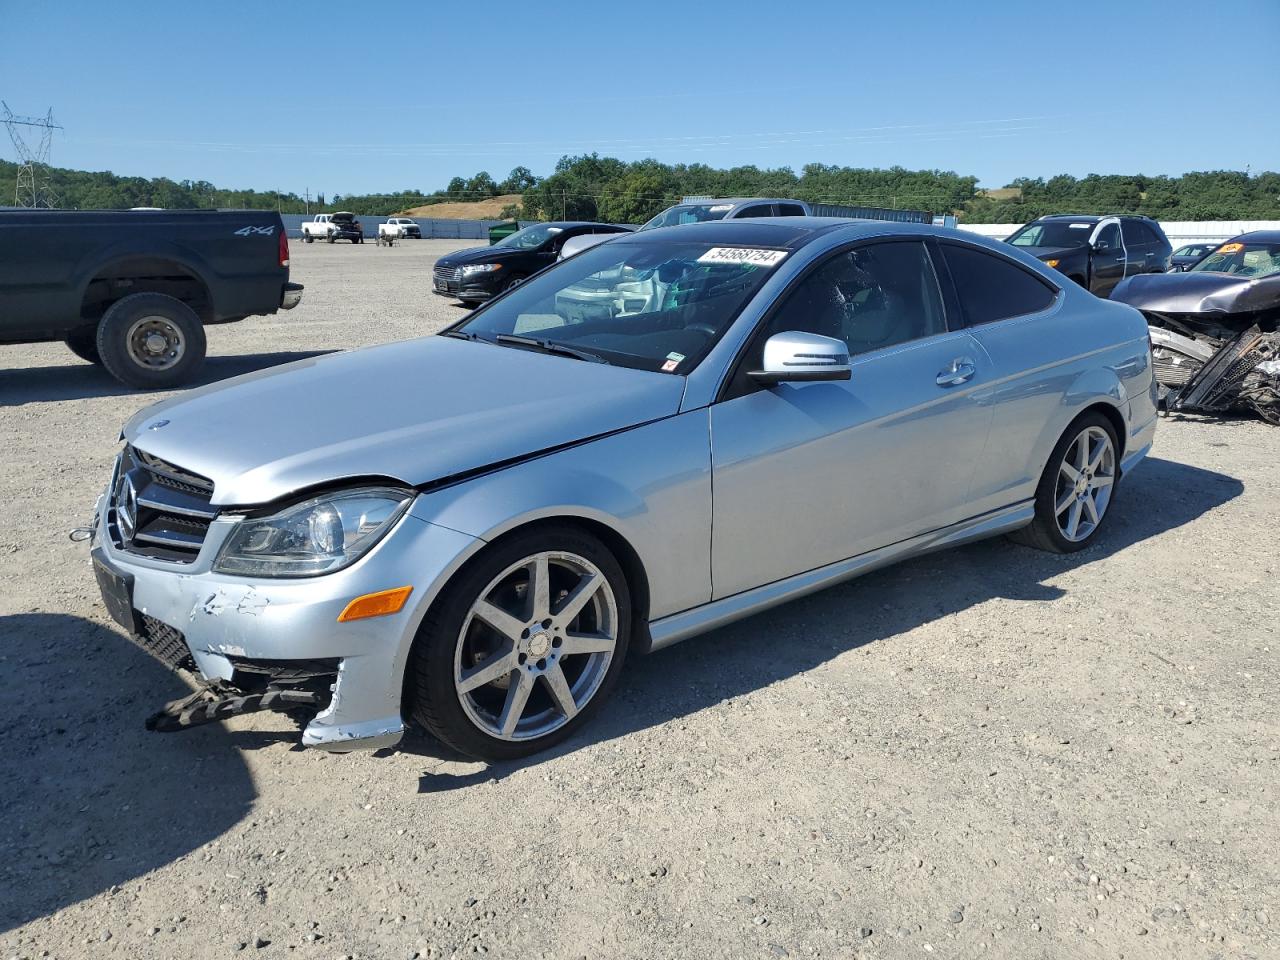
550 346
460 335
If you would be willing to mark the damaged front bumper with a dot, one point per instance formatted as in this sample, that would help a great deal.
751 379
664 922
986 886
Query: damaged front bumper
249 640
1201 373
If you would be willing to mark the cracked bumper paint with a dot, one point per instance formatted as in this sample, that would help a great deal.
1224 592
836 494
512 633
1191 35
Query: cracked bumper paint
222 616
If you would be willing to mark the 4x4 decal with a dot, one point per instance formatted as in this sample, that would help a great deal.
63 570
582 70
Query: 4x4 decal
249 231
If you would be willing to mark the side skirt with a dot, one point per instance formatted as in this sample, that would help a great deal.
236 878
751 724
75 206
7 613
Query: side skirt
717 613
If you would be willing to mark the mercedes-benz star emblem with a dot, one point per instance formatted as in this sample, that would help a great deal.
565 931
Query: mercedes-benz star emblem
126 508
158 424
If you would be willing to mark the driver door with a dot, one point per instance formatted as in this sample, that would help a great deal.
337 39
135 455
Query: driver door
807 474
1108 257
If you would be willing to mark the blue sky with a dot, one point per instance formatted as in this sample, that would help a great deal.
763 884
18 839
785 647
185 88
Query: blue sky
350 97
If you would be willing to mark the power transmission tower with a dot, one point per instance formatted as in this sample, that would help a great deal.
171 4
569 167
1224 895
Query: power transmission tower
33 188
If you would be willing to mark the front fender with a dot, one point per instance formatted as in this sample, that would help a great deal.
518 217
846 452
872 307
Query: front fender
650 485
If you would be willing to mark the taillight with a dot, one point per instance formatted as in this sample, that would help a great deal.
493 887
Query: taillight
284 248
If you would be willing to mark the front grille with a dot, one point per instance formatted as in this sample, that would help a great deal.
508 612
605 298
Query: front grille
158 509
163 642
448 274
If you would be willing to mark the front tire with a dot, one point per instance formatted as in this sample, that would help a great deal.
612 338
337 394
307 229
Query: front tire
523 646
1076 489
150 340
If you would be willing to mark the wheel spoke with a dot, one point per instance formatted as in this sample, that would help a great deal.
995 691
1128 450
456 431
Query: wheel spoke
1096 463
586 643
494 668
539 588
517 697
1090 508
583 591
499 619
1070 472
1082 451
1068 498
1073 520
1102 480
560 692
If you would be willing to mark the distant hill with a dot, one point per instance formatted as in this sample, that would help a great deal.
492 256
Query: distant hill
592 187
490 209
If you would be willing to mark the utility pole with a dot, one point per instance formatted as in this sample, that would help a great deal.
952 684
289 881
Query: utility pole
33 189
564 200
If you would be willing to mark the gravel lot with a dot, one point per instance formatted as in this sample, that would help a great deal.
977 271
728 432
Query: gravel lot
988 752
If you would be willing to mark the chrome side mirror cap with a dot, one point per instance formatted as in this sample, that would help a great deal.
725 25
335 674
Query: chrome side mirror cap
795 357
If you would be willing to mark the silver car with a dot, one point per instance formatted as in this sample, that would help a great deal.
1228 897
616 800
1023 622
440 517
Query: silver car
472 530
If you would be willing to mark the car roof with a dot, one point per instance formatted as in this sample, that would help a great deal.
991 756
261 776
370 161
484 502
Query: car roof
788 232
1257 236
734 201
565 224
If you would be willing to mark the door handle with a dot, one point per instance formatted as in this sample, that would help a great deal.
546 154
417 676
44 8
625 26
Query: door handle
961 370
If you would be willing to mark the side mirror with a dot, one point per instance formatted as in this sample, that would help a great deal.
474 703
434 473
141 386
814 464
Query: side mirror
1102 246
795 357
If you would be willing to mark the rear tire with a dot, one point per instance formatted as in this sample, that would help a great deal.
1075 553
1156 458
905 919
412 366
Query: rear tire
308 238
539 688
150 341
1077 488
84 344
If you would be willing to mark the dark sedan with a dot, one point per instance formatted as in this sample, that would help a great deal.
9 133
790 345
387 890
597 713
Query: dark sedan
1186 257
478 273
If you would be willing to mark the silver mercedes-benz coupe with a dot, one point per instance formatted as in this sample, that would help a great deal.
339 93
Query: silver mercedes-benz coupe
658 436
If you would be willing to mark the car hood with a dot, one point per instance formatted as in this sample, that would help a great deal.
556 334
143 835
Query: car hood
1055 253
1199 292
414 412
480 255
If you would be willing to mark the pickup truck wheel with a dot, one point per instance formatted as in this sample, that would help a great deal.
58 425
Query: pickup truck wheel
151 341
523 646
84 344
328 239
308 238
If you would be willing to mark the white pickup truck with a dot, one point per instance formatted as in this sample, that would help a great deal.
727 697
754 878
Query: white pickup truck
400 228
317 228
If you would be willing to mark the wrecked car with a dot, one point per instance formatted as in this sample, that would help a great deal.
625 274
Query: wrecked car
1215 346
470 531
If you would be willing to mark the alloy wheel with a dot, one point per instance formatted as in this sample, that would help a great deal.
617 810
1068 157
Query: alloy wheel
1086 480
536 645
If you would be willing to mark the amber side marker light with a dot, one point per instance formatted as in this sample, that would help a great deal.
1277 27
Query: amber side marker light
380 604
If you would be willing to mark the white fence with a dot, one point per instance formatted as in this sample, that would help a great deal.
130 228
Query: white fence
1179 232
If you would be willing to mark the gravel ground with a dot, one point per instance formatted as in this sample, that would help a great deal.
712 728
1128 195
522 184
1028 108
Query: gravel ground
988 752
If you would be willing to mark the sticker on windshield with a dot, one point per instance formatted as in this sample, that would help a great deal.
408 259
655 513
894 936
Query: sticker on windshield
673 361
751 256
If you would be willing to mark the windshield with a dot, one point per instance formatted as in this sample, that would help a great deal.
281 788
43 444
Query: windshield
651 306
689 213
530 238
1242 260
1194 250
1053 233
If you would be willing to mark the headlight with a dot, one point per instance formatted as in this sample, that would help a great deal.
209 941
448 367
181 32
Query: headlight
318 536
480 268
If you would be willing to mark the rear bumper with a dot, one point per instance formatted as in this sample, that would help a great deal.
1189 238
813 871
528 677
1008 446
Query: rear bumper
291 297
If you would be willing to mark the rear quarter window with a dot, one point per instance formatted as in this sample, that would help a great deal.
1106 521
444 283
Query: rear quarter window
991 288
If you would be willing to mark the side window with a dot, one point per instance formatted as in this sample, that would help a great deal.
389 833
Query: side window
790 210
992 288
1110 237
756 210
870 297
1153 236
1135 234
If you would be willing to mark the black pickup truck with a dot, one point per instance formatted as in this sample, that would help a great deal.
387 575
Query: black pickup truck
132 290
